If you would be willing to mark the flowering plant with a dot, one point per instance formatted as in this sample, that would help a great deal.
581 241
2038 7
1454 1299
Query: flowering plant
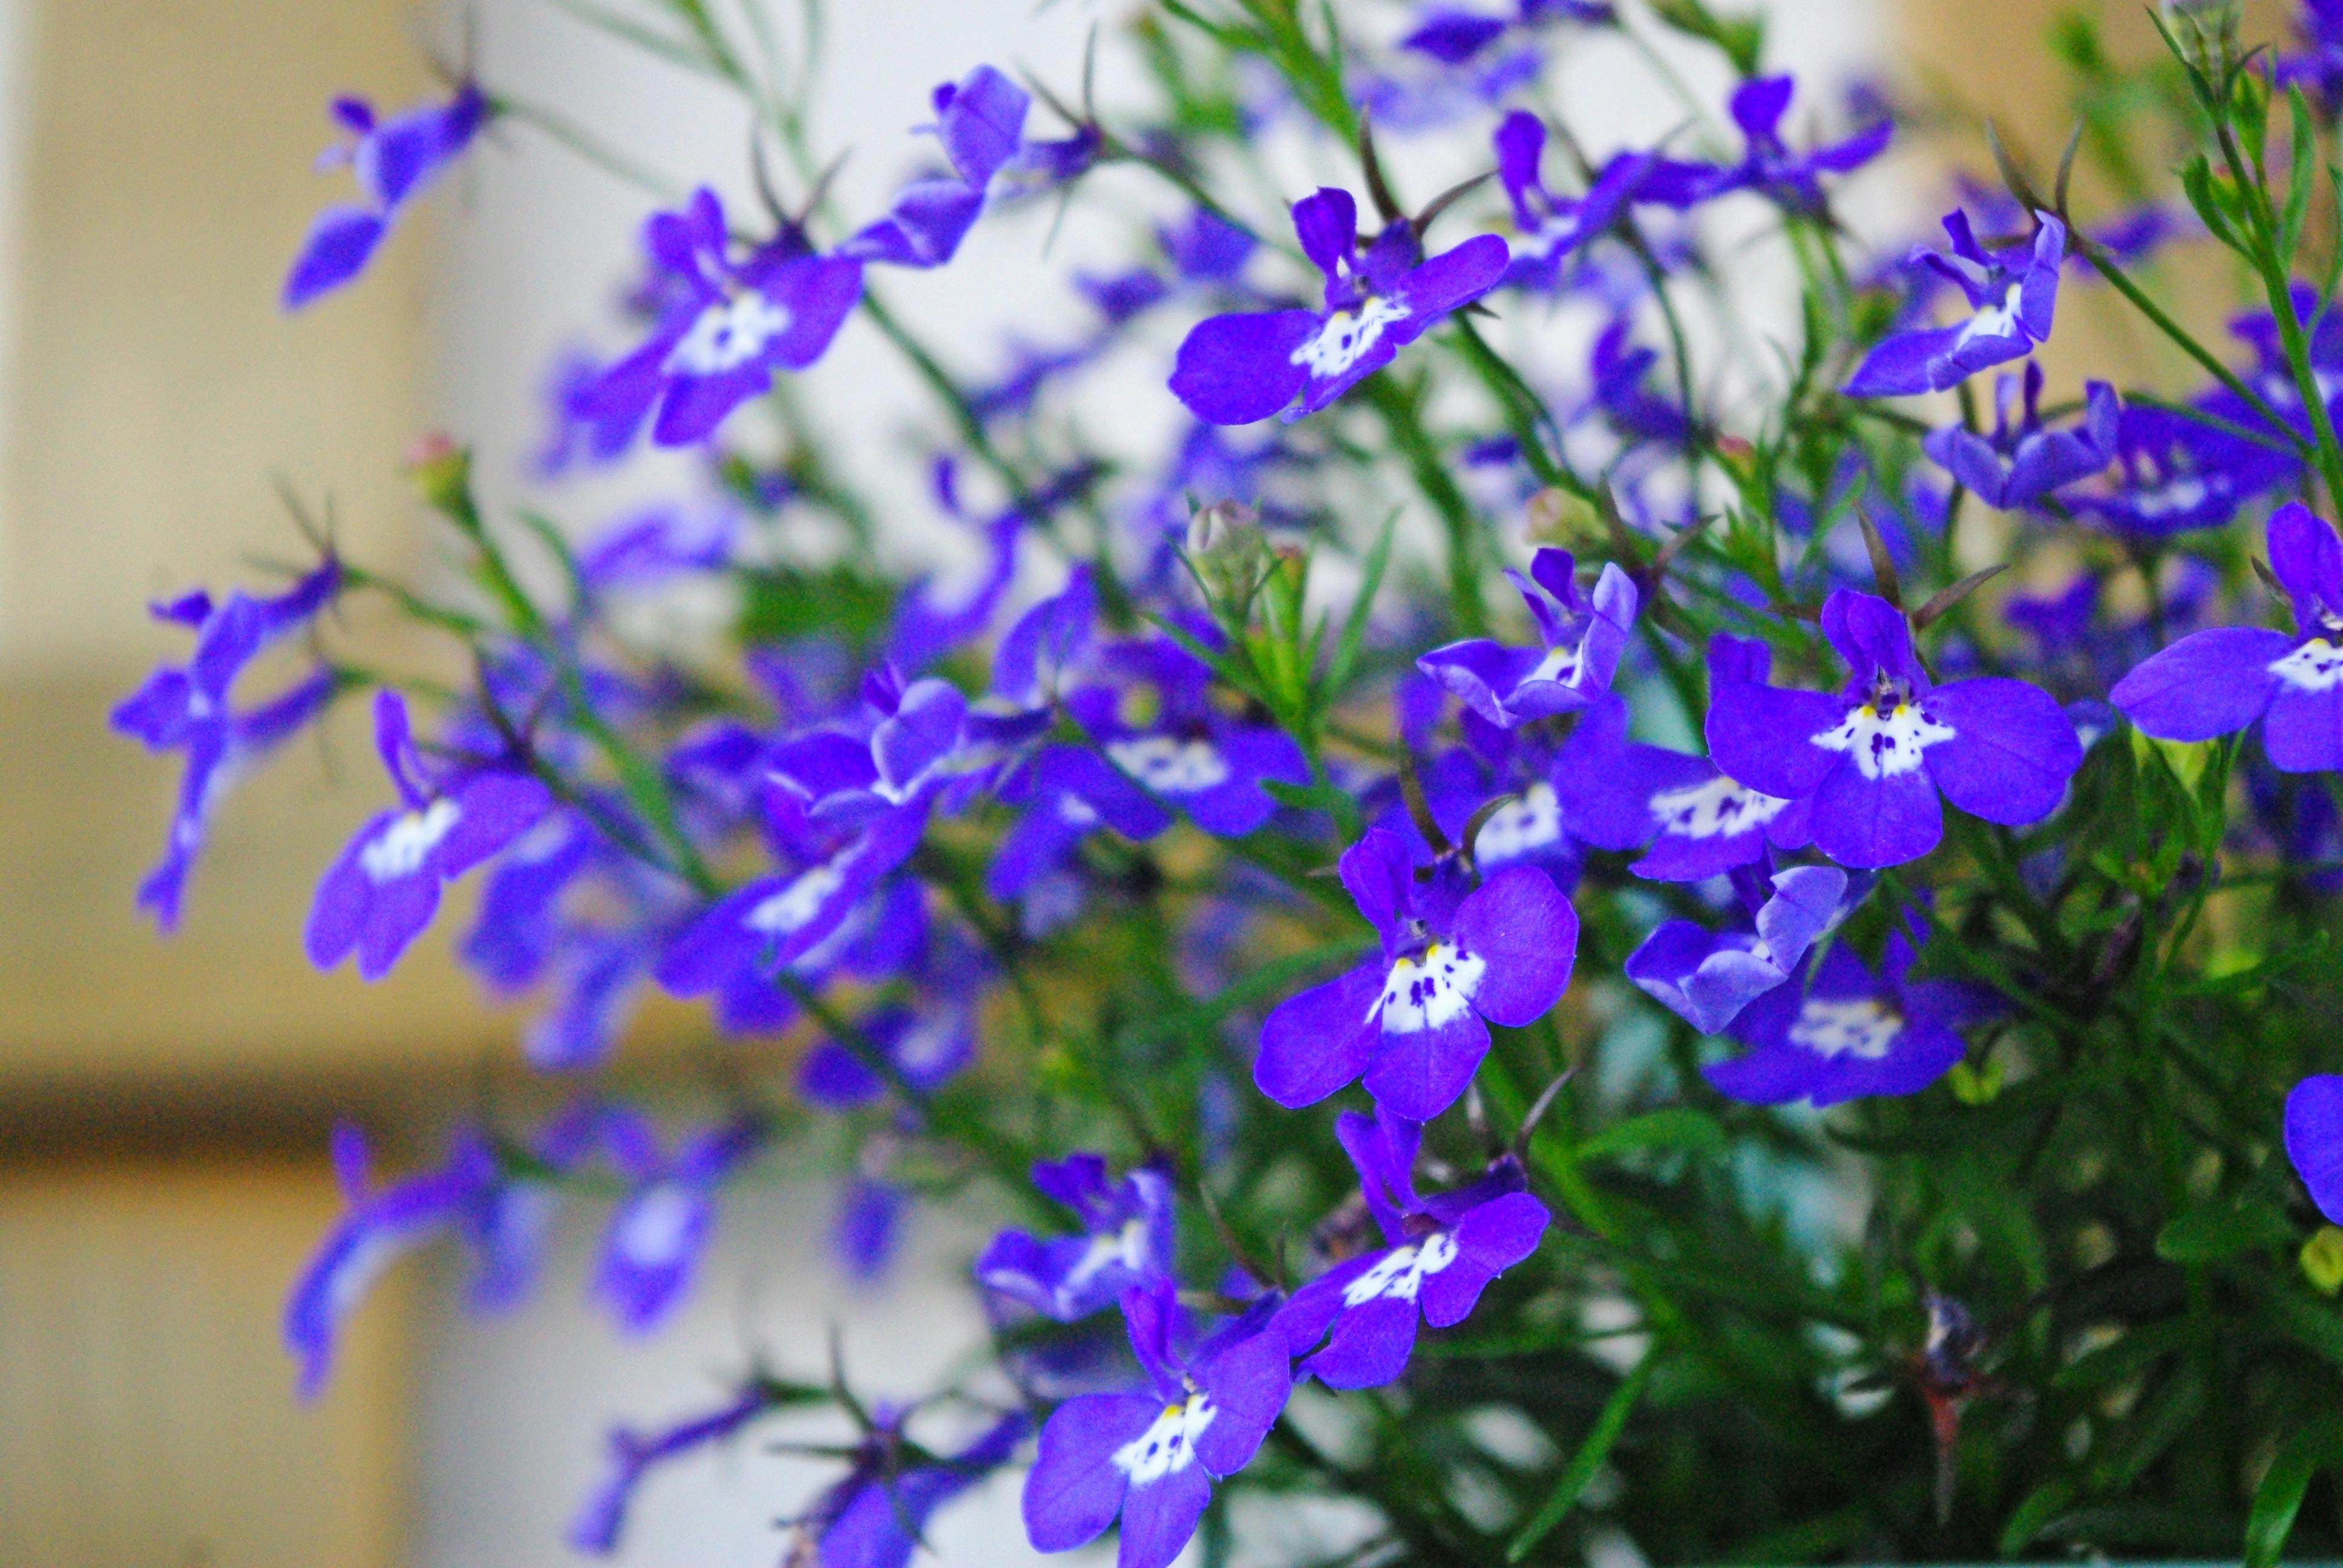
1826 1046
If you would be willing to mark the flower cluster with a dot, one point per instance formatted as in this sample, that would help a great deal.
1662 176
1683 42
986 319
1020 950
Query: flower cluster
1762 846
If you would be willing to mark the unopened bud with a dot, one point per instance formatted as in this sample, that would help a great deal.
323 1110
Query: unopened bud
442 471
2322 1261
1229 551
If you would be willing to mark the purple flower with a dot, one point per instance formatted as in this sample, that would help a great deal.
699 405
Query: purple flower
1409 1018
726 326
1068 792
2174 473
927 625
1706 978
393 161
1192 755
384 890
187 708
634 1455
657 1233
1152 1454
980 121
1874 757
927 1040
1767 166
2314 1139
1234 369
1553 227
1583 636
737 944
2221 679
2012 295
2020 464
1617 794
1126 1241
1836 1031
382 1226
1440 1255
875 1516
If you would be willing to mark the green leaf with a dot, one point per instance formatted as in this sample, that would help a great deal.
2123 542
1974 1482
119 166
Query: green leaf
2197 183
2316 1447
2029 1520
1354 625
2211 1231
2302 176
1677 1127
1600 1440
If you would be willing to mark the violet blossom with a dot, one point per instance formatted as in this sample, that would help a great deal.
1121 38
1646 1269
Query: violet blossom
1126 1241
2013 295
1583 635
393 160
1706 978
2022 462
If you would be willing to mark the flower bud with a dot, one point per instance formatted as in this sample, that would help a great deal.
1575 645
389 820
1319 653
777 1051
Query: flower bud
2322 1261
1229 552
442 471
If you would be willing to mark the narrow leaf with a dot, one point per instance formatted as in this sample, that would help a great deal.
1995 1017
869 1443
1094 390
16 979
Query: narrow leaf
1945 600
1589 1458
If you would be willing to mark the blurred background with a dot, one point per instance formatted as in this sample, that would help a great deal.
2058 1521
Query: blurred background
164 1104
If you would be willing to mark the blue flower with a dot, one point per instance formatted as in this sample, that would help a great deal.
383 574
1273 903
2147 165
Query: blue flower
1126 1241
1834 1030
394 161
1875 756
1706 978
2012 295
726 326
1438 1254
187 707
384 890
1583 639
980 121
1150 1455
1767 166
652 1248
1237 368
2021 462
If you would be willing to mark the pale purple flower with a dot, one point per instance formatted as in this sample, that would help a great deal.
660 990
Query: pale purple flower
393 160
1706 978
1126 1240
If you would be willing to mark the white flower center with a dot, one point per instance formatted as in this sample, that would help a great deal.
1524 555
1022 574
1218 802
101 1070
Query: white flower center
1346 338
1994 320
658 1224
925 1044
2182 494
1430 993
400 849
1518 826
1714 810
1560 664
728 336
798 902
1885 746
1832 1028
1400 1274
2316 666
1127 1247
1076 812
1170 766
1169 1446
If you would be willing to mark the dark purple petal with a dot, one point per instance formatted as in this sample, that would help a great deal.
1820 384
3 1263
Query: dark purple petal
340 243
1899 367
2314 1139
1867 823
1453 279
1418 1073
1314 1043
1249 1381
1075 1489
2012 751
1235 369
984 124
2210 683
1489 1240
1327 222
1369 1346
1519 924
2306 558
1762 735
2303 732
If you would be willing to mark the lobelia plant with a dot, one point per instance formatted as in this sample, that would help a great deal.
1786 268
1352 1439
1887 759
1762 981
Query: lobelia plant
1832 1053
